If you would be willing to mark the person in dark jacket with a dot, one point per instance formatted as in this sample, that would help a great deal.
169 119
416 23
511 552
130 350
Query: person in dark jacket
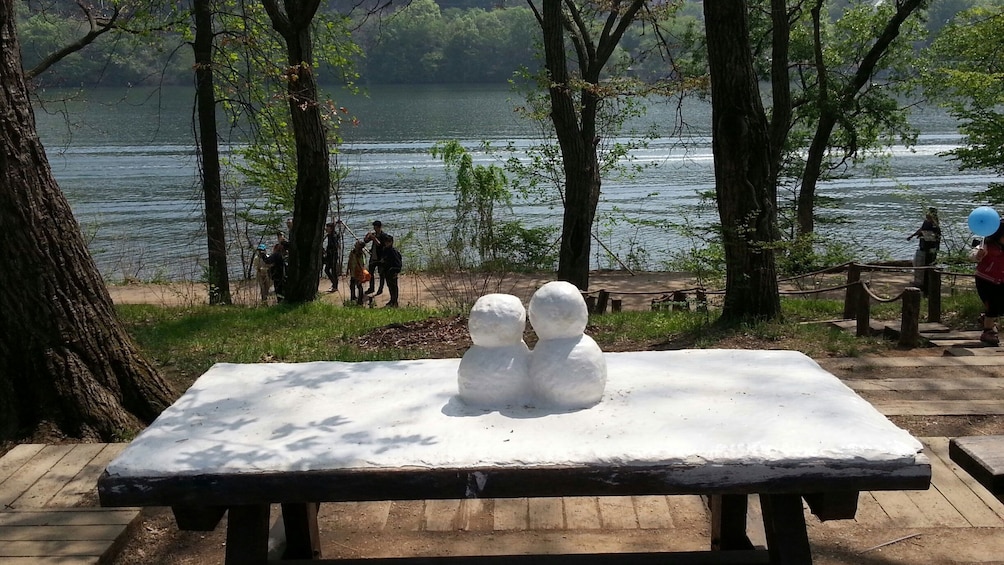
332 259
392 264
277 270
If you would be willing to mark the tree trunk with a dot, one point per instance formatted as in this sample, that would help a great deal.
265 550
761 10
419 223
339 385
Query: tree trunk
313 186
831 108
741 150
64 356
218 275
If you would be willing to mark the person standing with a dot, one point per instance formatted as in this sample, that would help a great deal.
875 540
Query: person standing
332 258
392 264
376 238
929 237
990 283
277 270
261 270
357 272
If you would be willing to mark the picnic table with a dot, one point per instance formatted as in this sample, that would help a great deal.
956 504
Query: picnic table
721 423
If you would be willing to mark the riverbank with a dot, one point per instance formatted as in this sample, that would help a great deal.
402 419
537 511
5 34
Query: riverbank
636 290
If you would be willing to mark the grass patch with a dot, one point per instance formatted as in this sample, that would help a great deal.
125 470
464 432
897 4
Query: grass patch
185 341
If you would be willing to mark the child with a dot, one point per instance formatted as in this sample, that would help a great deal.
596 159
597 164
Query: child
261 268
357 272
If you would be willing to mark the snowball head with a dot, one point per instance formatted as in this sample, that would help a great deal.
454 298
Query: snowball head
494 377
497 320
568 373
557 310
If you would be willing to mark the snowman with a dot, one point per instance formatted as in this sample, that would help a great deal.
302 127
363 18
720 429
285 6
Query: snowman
494 372
567 368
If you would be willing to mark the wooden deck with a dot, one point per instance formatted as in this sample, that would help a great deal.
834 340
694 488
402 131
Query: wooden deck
49 511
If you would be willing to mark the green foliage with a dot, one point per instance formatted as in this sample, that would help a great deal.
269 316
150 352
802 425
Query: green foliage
478 240
965 74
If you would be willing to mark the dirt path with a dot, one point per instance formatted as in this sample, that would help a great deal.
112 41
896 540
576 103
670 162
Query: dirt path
635 290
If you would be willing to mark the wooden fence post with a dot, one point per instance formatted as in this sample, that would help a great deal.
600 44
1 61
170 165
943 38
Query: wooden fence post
933 295
864 325
909 326
616 304
679 300
851 294
591 303
702 301
601 302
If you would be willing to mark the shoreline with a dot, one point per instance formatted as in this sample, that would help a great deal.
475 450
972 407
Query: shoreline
636 290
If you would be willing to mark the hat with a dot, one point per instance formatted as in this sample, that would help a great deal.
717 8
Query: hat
262 247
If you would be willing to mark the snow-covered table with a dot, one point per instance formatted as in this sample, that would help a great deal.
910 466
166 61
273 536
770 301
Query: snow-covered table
723 423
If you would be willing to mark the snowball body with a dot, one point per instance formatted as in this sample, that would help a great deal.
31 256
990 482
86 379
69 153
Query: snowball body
495 377
568 373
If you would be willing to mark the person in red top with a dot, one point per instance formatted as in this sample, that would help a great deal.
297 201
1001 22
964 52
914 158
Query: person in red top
990 283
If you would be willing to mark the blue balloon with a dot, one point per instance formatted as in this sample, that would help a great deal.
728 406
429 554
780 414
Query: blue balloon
984 221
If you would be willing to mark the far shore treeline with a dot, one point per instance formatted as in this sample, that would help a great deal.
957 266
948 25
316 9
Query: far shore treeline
416 42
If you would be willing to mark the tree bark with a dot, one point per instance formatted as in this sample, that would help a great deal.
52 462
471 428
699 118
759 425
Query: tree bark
218 275
741 148
575 126
313 185
64 356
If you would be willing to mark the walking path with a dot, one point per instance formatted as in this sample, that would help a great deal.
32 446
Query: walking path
49 509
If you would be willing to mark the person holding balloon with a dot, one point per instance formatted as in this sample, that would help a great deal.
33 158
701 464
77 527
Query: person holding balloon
989 269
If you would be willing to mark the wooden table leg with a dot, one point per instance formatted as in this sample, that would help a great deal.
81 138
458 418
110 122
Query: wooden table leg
302 538
247 535
728 522
784 525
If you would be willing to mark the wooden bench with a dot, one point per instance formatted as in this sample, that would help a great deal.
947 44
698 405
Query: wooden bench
983 458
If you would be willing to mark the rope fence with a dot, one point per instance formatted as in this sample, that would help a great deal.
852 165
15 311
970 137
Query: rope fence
858 296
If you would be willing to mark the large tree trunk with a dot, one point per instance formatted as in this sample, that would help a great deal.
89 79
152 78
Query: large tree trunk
742 167
313 185
578 153
219 276
64 356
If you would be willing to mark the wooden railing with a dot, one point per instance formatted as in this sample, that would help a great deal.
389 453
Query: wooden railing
858 297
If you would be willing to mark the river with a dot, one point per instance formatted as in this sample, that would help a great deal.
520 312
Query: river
126 163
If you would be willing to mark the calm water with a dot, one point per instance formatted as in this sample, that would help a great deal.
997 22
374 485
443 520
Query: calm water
126 164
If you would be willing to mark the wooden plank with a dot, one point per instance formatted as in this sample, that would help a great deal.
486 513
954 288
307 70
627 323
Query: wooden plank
854 363
652 512
48 485
357 516
545 514
937 510
581 513
94 548
61 560
31 472
17 457
617 512
939 445
107 532
404 515
689 511
476 515
75 517
441 515
870 512
84 484
939 407
928 384
901 509
991 353
511 513
973 510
